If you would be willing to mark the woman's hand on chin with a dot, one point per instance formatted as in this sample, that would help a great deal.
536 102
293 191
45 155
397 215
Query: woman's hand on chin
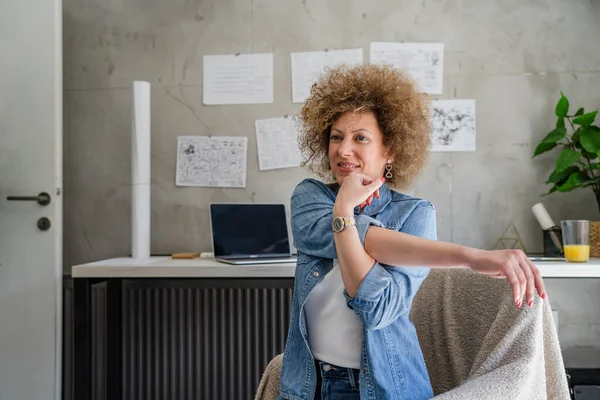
357 189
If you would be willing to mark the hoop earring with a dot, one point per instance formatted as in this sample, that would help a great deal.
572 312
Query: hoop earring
388 169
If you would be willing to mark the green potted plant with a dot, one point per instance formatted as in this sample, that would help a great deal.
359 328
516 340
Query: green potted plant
578 164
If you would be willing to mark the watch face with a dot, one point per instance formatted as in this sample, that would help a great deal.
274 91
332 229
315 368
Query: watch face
338 224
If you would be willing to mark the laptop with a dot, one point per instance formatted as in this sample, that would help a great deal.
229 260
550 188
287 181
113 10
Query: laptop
540 257
245 234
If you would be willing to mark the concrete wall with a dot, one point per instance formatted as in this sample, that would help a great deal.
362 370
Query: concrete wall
513 57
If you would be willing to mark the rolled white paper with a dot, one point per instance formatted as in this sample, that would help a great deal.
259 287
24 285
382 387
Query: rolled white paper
140 139
140 171
542 216
140 220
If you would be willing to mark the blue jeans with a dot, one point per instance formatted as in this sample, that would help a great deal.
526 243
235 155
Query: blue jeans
336 383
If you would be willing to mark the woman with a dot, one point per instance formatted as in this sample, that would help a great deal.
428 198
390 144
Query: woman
363 248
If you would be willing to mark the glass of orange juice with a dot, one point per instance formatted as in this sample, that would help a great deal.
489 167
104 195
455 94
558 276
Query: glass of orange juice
576 240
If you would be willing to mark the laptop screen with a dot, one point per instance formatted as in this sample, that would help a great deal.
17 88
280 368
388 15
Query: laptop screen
249 230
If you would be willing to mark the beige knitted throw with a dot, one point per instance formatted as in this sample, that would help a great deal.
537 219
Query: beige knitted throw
477 344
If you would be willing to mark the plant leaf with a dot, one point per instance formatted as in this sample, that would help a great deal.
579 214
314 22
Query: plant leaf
590 139
560 122
579 112
593 166
575 180
550 141
575 136
562 107
559 177
593 128
585 119
566 159
588 155
543 147
552 190
556 135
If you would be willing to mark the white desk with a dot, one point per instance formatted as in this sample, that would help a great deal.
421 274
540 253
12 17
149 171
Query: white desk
106 293
166 267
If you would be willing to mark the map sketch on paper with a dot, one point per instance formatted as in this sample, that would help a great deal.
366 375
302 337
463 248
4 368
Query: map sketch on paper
277 143
453 124
211 161
424 62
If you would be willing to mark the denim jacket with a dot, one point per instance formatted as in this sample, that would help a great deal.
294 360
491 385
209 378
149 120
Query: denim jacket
392 365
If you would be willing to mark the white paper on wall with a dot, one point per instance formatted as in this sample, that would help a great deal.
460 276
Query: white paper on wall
277 143
308 66
424 62
238 79
453 123
211 161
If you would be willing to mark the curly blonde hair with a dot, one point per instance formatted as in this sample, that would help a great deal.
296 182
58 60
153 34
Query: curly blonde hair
402 113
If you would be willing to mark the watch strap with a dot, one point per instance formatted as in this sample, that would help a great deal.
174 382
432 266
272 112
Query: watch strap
348 221
344 222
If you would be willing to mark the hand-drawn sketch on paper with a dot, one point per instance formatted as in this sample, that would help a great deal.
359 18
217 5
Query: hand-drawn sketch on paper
424 62
453 123
277 143
308 66
211 161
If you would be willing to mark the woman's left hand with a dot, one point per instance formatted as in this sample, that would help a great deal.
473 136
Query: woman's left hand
357 189
523 276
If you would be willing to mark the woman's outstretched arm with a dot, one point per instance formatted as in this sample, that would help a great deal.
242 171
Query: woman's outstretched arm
313 212
397 248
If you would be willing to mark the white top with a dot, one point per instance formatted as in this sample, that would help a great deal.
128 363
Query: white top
335 333
166 267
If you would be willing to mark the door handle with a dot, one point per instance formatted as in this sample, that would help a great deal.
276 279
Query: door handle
43 198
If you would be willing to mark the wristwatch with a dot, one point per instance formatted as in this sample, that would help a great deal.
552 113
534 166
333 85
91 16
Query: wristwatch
340 223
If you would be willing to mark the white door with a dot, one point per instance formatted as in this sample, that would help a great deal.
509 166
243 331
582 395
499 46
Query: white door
30 163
